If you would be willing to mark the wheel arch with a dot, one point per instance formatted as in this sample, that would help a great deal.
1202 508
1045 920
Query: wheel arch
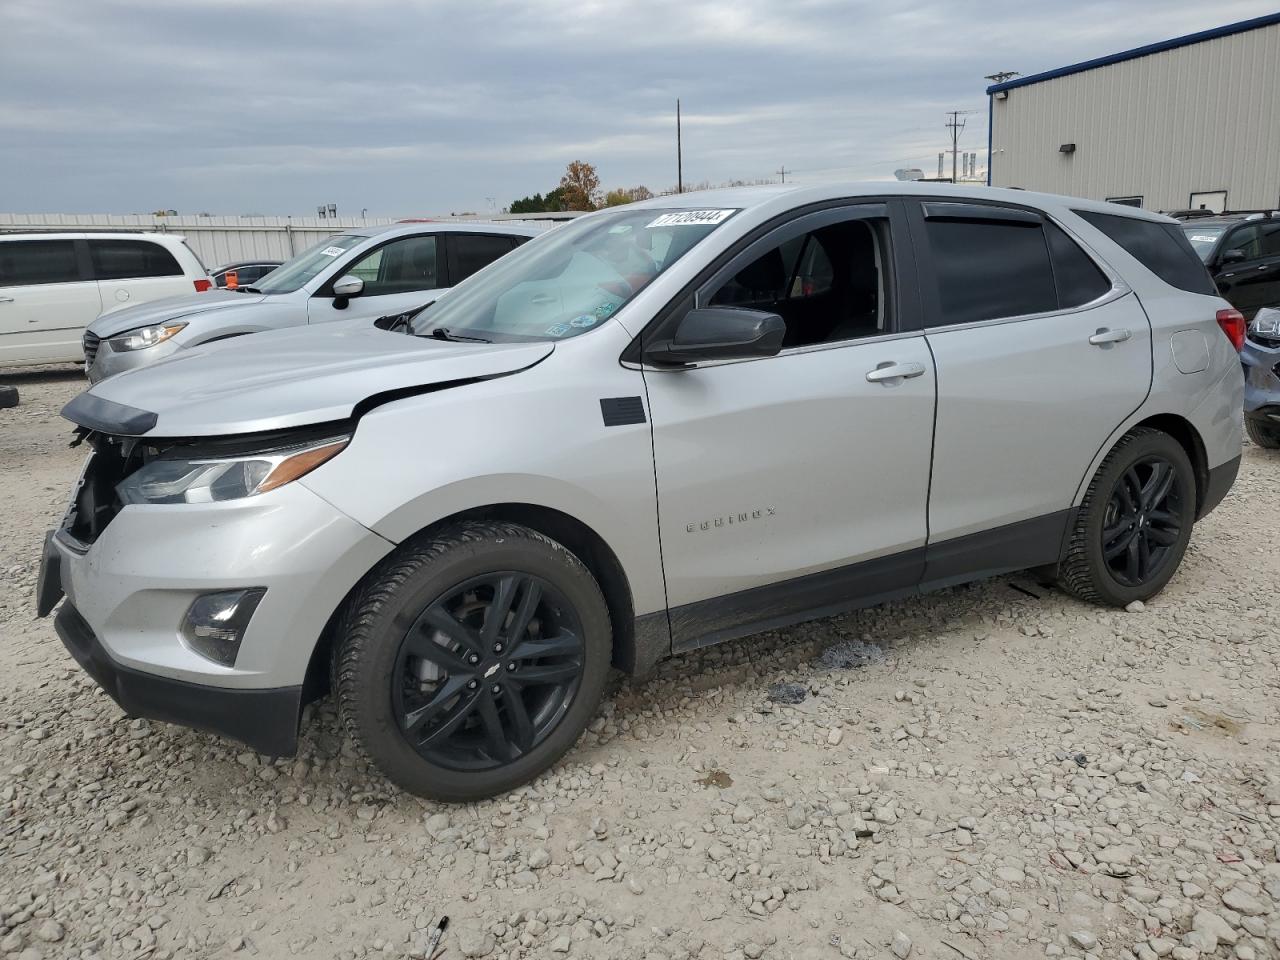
637 644
1176 426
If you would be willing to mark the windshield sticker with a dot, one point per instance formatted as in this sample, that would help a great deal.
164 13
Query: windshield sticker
1197 238
691 218
331 251
586 320
558 329
604 309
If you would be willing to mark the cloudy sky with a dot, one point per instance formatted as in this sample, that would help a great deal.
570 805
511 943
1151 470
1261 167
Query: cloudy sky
428 106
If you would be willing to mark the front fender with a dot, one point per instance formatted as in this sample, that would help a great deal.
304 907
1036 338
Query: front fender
533 438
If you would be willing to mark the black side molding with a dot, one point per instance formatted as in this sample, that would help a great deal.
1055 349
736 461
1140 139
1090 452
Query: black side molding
107 416
1221 478
619 411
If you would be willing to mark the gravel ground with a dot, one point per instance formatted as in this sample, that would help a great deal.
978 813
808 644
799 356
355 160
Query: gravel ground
996 771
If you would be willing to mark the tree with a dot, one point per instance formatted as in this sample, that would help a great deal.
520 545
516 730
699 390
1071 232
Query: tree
555 202
580 185
533 204
616 198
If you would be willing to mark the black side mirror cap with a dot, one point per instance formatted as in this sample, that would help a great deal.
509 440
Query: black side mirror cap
720 333
1233 256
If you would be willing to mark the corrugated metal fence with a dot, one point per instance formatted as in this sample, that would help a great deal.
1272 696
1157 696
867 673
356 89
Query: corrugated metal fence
217 240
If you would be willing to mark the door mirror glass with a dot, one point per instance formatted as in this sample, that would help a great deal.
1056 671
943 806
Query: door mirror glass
1234 256
720 333
348 286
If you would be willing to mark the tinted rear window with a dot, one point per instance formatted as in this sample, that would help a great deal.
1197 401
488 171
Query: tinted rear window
24 262
131 259
1160 247
474 252
1078 278
990 269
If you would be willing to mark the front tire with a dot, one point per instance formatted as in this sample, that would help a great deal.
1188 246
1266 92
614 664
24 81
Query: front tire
1263 435
472 660
1134 523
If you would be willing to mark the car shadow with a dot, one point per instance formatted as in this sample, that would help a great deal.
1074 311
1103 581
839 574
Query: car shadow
32 376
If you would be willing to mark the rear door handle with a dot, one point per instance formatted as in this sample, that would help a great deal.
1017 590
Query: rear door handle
895 371
6 299
1105 336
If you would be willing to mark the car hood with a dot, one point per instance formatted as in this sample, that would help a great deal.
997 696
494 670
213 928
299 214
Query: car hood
286 378
169 308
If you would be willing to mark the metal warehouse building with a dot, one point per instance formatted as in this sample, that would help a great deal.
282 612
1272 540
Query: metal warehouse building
1187 123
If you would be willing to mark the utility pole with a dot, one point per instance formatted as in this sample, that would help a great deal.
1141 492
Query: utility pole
955 125
782 172
679 153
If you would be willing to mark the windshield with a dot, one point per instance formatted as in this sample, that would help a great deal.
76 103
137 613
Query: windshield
294 274
1203 238
569 280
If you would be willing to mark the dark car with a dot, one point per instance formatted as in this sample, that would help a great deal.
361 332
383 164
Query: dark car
1242 252
248 272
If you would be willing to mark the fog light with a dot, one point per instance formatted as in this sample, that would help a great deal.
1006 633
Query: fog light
215 623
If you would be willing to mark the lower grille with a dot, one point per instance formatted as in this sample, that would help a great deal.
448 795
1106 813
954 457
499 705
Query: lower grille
91 342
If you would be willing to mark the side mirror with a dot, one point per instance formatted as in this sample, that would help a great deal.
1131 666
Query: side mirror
720 333
348 286
1234 256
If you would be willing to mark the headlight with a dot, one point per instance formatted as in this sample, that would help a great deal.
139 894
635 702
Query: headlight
210 479
144 337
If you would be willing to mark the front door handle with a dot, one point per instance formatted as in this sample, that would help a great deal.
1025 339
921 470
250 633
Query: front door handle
6 299
1105 336
895 371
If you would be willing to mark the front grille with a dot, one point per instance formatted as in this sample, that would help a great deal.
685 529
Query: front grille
91 342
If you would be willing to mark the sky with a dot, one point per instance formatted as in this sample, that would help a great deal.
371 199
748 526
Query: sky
412 107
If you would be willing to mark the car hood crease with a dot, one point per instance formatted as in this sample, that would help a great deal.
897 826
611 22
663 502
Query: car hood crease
288 378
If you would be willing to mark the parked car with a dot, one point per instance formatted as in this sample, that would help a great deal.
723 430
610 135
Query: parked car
1242 252
359 274
246 272
661 426
1261 359
52 285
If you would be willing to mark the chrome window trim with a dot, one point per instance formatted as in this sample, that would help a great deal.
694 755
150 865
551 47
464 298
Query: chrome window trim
790 352
1115 293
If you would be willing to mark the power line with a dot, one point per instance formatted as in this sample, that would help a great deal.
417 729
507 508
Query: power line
679 156
956 126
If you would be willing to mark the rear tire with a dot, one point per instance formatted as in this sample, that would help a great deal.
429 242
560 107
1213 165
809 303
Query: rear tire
8 397
472 660
1263 435
1134 523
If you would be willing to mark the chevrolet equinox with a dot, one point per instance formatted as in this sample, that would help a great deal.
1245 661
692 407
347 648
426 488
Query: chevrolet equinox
658 427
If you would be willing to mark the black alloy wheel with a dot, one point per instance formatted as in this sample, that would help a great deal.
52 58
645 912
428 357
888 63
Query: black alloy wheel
471 659
1143 521
1133 525
487 670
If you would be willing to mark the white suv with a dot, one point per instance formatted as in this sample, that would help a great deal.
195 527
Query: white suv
361 274
53 285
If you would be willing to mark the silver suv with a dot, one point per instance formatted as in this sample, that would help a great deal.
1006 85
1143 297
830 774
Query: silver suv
361 274
659 427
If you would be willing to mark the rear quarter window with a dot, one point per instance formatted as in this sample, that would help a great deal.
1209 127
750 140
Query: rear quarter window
1162 248
1078 278
131 260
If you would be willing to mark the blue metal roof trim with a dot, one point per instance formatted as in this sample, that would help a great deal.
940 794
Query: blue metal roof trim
1192 38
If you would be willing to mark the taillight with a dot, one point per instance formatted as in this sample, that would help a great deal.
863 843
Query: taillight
1232 323
203 285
